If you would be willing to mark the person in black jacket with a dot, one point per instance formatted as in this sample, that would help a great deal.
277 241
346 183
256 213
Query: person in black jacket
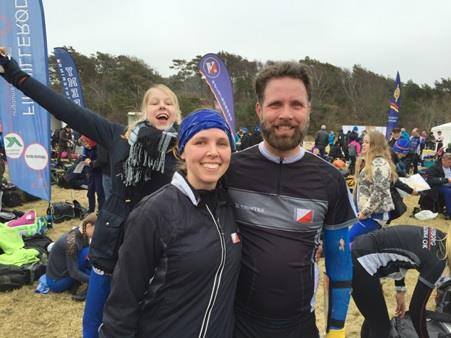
94 173
439 178
179 263
68 264
390 252
141 161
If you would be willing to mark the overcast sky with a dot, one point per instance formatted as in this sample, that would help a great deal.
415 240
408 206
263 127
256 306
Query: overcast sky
385 36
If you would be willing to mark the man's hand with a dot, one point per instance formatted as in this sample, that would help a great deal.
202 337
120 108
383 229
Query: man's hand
400 304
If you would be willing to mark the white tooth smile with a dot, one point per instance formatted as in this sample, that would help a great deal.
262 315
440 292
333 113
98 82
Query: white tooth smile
211 165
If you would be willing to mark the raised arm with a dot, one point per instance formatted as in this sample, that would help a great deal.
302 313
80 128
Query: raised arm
83 120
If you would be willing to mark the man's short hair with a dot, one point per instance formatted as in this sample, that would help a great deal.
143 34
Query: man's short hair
446 156
396 130
280 70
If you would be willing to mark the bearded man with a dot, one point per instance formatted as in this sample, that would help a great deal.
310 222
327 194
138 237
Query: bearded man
285 197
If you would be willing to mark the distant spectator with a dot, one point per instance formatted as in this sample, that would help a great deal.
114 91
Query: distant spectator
439 140
414 151
405 134
430 141
322 140
331 138
335 151
68 264
399 152
95 186
439 178
354 149
65 142
395 135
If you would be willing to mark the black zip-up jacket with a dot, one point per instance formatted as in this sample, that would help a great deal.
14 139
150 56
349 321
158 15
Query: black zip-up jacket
177 270
109 226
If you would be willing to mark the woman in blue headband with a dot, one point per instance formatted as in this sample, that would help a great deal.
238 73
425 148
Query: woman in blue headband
178 265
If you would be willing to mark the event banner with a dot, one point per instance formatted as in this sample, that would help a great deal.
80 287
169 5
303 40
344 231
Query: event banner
395 104
215 73
68 75
26 126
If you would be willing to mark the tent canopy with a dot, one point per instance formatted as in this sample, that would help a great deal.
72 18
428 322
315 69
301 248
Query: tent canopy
446 132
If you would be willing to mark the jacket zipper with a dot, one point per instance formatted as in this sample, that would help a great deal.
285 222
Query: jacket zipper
217 279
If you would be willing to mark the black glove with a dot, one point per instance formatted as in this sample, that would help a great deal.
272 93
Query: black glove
11 71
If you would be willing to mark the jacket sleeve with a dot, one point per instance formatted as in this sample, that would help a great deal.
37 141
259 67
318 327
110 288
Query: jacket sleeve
74 272
402 186
434 176
82 120
380 187
139 255
339 270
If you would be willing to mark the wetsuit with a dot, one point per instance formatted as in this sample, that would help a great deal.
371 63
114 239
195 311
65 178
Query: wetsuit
390 252
282 206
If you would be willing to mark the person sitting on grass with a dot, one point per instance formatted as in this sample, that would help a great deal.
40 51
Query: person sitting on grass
68 265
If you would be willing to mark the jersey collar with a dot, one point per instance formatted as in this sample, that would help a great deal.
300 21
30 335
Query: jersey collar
270 156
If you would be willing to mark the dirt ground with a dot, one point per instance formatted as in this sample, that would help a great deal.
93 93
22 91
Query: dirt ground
25 313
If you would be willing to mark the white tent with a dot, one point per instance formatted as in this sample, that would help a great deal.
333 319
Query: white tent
446 132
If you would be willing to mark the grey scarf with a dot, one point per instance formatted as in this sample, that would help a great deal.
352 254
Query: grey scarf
148 148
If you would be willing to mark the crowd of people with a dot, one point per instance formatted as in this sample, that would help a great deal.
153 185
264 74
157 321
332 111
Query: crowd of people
194 240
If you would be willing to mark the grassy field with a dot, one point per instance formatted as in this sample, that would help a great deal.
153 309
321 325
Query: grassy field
24 313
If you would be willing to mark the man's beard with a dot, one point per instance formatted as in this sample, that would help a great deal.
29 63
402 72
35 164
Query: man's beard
284 143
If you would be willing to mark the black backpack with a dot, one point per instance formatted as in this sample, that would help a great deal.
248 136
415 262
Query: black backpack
14 277
64 211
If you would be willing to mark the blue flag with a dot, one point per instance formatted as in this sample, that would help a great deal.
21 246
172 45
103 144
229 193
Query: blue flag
215 73
395 104
26 125
68 74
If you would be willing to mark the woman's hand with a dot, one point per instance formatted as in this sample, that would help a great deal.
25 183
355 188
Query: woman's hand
400 304
361 216
10 70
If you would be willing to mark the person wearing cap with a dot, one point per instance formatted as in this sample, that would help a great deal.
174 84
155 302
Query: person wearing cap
375 174
322 140
141 157
178 266
439 178
285 198
399 151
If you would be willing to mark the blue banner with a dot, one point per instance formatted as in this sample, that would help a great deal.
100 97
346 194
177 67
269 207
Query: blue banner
26 125
395 104
68 74
215 73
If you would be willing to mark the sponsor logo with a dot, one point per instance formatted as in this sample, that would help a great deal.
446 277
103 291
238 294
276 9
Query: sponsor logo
211 67
235 238
304 215
429 238
14 145
341 244
36 156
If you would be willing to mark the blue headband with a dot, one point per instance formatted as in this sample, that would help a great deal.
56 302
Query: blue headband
200 120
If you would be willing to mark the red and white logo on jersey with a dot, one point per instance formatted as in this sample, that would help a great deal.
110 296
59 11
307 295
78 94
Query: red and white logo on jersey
235 238
304 215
